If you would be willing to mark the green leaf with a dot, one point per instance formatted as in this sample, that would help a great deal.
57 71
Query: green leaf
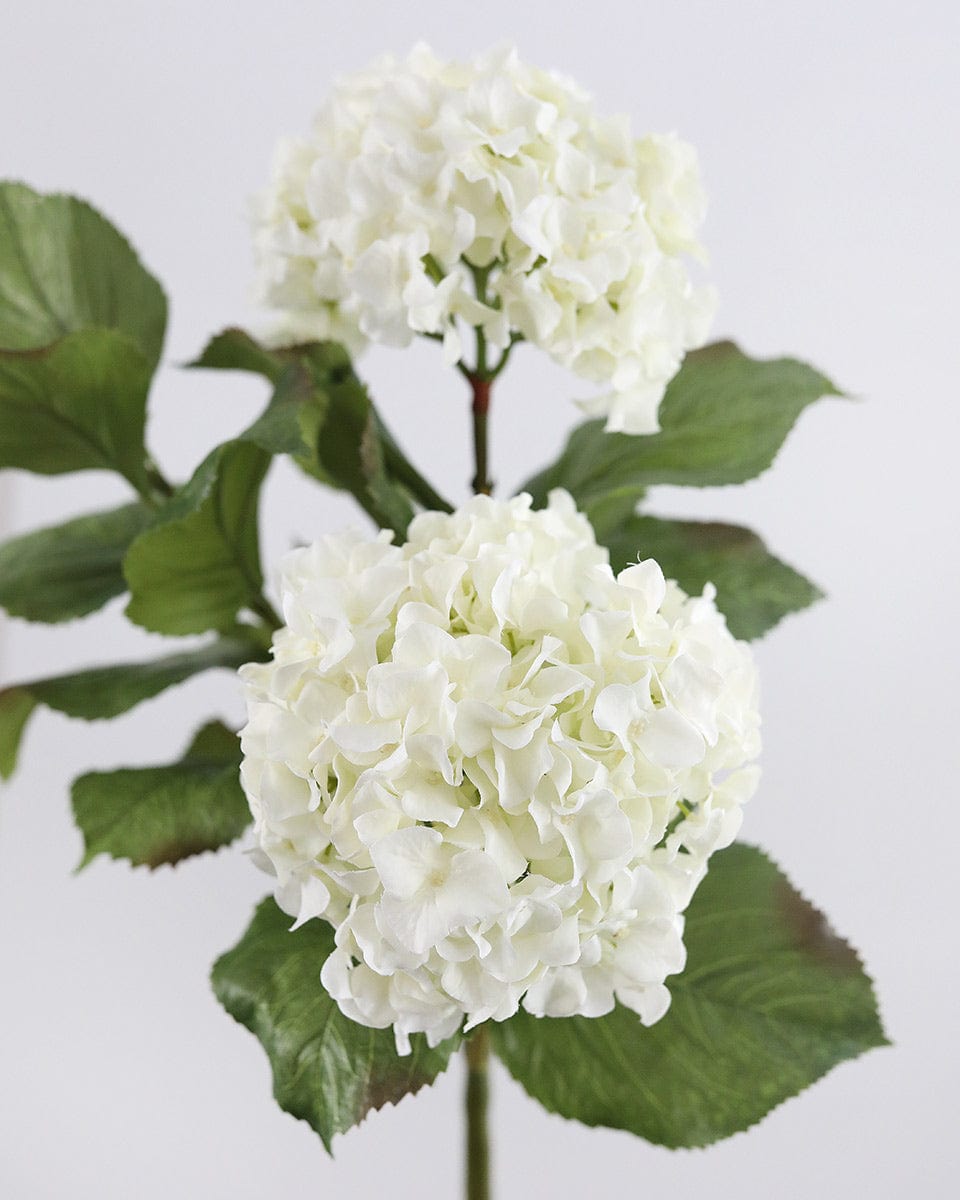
301 376
235 350
67 571
63 268
722 420
754 589
103 692
198 565
78 405
322 415
81 330
609 514
155 815
16 707
771 999
327 1070
291 423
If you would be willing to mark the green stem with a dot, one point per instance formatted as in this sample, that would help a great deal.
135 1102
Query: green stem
162 487
505 356
258 634
403 470
478 1144
480 277
266 612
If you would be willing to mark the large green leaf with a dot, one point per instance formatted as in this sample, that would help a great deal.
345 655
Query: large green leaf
322 415
754 589
198 565
327 1069
770 1000
722 420
63 268
102 692
155 815
78 405
67 571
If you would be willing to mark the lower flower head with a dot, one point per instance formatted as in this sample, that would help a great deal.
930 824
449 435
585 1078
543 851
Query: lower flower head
497 769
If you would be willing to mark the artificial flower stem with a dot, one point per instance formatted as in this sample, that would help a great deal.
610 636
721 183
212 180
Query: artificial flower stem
404 472
482 485
266 612
162 488
478 1144
505 356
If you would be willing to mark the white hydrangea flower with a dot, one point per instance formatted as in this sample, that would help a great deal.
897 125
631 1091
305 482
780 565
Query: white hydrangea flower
431 197
497 769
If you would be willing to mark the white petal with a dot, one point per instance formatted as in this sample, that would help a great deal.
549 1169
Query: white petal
417 924
313 901
407 860
475 888
669 740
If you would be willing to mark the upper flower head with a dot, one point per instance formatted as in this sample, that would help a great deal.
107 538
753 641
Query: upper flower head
431 197
496 768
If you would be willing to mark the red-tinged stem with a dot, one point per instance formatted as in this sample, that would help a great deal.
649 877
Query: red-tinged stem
482 484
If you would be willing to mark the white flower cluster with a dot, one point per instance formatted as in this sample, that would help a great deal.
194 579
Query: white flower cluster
431 197
494 767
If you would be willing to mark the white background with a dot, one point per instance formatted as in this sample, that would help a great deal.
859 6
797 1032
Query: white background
828 137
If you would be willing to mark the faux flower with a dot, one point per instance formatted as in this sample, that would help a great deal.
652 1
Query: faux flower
496 768
434 197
